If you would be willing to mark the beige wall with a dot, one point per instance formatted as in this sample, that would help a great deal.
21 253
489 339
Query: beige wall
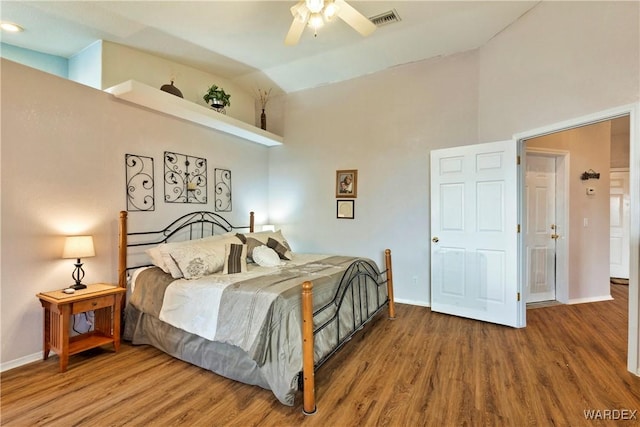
63 172
589 148
383 125
561 60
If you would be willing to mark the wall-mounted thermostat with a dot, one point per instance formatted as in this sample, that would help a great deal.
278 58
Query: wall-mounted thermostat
591 191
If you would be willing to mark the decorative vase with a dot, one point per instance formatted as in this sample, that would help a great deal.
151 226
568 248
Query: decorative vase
172 90
263 120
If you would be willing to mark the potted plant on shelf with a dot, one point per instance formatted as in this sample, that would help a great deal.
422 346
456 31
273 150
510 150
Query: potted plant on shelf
217 98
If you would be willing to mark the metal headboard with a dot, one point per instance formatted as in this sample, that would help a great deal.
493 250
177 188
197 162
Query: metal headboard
194 225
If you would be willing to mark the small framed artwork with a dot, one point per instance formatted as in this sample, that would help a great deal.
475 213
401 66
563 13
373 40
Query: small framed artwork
345 209
347 183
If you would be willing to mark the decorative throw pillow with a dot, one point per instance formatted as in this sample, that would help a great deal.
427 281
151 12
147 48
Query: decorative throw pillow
213 243
280 249
235 258
196 261
165 252
263 237
252 244
264 256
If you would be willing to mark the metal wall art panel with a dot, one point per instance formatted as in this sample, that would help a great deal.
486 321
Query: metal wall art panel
185 178
223 190
140 183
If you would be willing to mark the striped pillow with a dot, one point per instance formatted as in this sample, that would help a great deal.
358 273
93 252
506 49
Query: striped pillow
235 258
251 244
281 250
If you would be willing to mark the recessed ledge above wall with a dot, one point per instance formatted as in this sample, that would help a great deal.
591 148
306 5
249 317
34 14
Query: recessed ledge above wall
163 102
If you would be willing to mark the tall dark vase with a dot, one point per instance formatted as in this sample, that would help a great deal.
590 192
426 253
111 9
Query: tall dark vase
263 120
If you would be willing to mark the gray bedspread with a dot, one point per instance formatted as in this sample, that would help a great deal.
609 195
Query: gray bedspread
259 335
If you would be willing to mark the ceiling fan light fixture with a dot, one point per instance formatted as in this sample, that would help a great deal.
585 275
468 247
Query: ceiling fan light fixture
330 10
314 13
316 21
315 6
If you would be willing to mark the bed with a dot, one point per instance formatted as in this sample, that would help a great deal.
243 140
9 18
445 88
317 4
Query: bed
242 304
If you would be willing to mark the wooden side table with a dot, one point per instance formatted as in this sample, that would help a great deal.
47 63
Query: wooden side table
105 300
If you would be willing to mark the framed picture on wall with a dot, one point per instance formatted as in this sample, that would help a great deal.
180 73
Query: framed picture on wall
345 209
347 183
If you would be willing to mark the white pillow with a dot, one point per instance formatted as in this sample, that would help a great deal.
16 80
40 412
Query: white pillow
156 258
200 260
264 256
215 243
165 251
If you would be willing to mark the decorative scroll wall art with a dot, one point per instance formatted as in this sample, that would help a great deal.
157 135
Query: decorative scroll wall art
223 190
185 178
140 189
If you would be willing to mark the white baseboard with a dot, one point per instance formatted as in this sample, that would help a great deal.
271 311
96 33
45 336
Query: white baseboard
590 299
412 302
20 361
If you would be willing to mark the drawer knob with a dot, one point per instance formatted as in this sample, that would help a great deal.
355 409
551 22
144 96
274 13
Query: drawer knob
94 303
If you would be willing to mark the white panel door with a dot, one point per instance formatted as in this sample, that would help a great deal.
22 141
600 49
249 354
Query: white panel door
474 252
542 231
619 224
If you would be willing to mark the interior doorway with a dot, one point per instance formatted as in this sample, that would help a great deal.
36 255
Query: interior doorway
586 232
632 114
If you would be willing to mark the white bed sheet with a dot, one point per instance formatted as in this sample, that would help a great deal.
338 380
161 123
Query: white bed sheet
194 305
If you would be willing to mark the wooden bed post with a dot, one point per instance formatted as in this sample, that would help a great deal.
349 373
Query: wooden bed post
122 250
308 370
387 260
251 222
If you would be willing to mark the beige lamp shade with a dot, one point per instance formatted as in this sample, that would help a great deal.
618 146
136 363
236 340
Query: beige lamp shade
78 247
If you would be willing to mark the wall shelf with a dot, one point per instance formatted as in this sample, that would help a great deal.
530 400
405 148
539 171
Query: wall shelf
155 99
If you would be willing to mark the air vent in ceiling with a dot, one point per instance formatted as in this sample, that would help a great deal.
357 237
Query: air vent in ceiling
385 18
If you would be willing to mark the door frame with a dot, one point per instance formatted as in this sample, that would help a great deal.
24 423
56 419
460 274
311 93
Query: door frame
562 213
633 111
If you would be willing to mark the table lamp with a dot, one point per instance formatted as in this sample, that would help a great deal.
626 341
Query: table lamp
78 247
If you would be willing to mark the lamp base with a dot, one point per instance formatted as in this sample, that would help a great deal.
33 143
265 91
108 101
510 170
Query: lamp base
78 286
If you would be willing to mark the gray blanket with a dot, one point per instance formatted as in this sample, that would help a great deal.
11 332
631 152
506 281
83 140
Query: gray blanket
259 323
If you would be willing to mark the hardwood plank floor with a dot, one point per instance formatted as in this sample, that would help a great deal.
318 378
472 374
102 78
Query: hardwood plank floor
422 369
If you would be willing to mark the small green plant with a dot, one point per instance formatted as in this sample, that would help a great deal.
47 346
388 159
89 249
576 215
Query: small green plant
217 96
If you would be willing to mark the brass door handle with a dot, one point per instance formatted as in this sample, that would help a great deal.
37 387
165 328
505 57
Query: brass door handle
555 236
435 240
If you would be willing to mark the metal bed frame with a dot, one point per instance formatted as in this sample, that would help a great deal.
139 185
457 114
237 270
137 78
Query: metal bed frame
361 278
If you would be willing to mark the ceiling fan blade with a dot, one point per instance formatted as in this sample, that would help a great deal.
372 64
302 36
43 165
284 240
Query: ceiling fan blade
295 31
355 19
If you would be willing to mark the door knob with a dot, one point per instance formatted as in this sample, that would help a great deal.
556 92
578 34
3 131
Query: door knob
435 240
554 236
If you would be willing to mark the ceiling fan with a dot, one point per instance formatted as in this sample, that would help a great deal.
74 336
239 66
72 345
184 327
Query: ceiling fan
315 12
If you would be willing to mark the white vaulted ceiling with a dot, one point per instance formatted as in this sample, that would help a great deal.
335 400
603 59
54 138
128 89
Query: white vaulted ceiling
243 40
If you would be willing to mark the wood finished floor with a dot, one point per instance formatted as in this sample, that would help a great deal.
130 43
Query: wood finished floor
422 369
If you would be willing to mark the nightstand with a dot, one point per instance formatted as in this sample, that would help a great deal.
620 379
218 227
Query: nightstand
105 300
